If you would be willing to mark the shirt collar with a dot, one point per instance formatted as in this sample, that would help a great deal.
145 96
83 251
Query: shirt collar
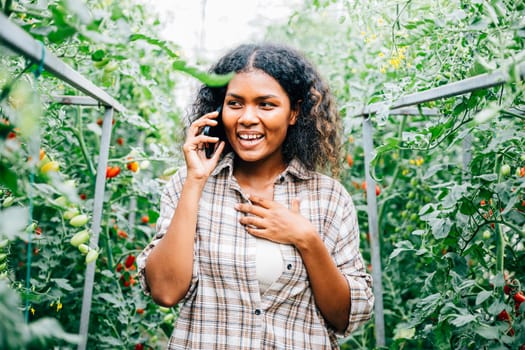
295 168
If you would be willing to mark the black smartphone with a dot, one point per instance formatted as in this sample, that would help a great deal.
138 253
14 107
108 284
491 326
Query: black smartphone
213 131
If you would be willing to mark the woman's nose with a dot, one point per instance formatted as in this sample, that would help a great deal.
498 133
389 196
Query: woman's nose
248 116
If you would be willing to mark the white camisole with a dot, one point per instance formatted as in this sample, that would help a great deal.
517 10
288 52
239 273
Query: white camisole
269 263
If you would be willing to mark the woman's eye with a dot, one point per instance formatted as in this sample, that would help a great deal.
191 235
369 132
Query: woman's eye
267 105
233 104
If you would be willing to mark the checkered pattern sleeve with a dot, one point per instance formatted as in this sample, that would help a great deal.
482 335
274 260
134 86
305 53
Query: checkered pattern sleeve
168 203
350 262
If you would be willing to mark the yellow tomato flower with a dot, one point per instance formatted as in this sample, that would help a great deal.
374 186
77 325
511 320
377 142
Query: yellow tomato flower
59 306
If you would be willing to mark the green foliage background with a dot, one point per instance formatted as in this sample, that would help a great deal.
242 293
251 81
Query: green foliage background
451 221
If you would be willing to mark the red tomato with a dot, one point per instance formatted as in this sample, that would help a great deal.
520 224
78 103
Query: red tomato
133 166
349 160
504 316
112 171
130 260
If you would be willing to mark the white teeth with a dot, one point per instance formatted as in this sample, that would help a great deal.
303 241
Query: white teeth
249 137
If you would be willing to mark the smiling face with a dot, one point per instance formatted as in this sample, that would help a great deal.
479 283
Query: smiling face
256 116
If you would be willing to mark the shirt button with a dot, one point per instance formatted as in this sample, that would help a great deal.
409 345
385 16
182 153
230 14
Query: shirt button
289 266
257 311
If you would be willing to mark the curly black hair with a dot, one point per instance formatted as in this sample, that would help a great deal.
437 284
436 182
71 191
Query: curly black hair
315 137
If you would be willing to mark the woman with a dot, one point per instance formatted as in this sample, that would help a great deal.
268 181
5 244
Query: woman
258 248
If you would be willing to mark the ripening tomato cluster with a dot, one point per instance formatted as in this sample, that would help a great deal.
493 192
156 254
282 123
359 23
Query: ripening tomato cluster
127 270
511 289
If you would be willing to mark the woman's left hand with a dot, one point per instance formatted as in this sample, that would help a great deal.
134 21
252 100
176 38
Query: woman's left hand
273 221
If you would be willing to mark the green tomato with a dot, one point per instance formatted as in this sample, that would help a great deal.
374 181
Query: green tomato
111 67
505 170
79 238
164 310
60 202
83 248
8 201
70 213
486 234
32 227
79 220
168 318
91 256
170 171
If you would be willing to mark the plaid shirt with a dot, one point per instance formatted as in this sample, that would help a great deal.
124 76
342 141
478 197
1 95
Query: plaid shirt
223 308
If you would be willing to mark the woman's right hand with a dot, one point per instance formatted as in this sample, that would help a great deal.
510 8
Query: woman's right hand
199 166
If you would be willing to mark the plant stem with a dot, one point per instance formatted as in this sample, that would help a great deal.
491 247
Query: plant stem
396 171
77 132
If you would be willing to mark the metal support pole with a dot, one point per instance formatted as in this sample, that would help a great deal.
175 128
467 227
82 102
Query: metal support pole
95 228
373 227
18 40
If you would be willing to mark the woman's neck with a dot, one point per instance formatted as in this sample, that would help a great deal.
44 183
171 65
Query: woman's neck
258 177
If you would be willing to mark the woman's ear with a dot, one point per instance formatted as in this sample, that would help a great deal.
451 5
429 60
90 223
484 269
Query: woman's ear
294 113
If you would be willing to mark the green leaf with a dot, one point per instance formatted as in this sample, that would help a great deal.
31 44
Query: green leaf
157 42
466 207
210 79
462 320
456 193
46 329
98 55
510 204
440 227
487 332
13 222
402 246
482 296
487 177
110 298
63 284
8 178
